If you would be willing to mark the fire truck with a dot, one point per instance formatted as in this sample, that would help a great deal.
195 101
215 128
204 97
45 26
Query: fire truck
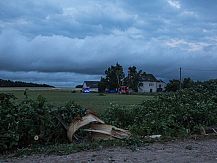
124 90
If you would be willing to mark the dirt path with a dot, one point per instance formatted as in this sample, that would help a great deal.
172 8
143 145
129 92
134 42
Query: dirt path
178 151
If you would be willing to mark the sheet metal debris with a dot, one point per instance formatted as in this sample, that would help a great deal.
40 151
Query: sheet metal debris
78 123
97 128
104 131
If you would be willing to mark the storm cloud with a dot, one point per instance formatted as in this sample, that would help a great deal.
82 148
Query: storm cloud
66 42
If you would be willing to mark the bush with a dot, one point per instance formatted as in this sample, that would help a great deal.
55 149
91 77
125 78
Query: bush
175 114
8 122
34 122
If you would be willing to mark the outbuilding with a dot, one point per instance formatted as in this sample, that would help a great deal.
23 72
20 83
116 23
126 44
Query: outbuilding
90 86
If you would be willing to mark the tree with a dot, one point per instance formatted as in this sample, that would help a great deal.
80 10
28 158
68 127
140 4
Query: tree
114 77
173 85
187 83
133 78
102 85
79 86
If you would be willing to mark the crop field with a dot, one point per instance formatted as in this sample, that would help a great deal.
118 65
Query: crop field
91 101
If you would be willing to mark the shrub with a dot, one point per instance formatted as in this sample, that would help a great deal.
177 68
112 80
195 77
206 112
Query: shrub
8 122
31 122
73 91
173 114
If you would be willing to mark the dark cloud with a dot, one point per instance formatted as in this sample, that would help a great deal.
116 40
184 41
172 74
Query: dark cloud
85 37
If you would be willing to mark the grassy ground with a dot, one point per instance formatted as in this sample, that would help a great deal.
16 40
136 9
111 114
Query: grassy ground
91 101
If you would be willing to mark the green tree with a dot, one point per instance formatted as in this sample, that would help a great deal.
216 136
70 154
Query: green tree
114 77
173 85
79 86
102 84
187 83
133 78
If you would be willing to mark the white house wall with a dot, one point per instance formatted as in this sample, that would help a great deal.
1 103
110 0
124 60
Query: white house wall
148 86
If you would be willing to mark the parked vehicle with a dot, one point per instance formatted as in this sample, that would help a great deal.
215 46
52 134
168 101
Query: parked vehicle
86 90
124 90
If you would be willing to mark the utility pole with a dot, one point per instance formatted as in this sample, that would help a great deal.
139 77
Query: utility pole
180 78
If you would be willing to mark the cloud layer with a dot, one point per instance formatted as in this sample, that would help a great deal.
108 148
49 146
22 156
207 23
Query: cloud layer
82 38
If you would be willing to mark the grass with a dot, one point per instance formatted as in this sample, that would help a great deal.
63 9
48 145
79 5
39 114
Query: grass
91 101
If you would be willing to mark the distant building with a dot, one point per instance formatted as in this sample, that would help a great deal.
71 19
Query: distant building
150 84
90 86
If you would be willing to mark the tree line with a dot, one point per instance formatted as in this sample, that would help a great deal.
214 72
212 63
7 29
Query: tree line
9 83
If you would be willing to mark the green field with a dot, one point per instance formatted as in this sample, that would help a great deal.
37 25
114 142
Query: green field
91 101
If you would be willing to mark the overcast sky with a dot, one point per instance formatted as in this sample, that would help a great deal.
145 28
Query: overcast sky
64 42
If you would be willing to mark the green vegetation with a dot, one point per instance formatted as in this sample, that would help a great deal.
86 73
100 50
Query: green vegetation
115 77
29 122
34 121
95 101
182 113
174 85
9 83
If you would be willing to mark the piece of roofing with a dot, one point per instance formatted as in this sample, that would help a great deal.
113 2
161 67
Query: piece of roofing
104 131
81 122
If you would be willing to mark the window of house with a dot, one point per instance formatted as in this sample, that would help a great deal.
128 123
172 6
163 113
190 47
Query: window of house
151 84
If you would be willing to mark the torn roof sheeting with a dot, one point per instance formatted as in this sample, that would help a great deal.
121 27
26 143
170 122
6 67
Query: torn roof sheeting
104 131
78 123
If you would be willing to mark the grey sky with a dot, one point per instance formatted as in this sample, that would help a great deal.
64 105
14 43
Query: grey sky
68 41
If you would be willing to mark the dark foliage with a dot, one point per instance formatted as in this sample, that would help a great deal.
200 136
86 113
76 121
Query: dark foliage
174 85
174 114
9 83
113 79
79 86
34 122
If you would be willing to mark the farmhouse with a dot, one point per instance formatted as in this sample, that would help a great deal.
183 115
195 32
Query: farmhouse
90 86
150 84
